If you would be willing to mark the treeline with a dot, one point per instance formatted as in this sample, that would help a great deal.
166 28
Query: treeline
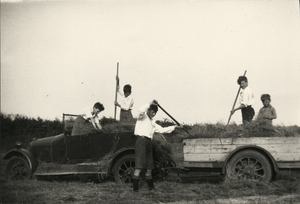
15 127
22 128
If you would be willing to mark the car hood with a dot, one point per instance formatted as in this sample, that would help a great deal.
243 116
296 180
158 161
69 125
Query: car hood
47 141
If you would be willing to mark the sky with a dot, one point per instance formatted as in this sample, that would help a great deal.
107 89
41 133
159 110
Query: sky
61 56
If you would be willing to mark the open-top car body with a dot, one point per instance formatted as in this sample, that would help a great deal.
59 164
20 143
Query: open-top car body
95 155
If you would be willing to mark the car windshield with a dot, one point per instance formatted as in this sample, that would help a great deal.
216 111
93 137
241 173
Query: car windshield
68 120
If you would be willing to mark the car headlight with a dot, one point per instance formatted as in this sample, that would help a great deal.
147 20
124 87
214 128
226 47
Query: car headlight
18 144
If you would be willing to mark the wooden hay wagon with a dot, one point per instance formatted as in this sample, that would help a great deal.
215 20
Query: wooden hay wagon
258 158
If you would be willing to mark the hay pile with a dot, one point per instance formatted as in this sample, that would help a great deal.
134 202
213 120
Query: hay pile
105 161
118 127
82 126
254 129
162 150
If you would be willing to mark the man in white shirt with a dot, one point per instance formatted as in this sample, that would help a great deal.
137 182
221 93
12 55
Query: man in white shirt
144 130
92 115
126 103
246 101
88 121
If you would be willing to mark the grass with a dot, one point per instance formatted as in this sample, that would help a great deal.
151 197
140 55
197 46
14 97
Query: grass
283 190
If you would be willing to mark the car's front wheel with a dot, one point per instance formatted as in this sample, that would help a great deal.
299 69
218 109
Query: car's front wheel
124 169
17 168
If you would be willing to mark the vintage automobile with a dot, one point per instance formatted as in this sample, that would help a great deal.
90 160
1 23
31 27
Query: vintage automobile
91 155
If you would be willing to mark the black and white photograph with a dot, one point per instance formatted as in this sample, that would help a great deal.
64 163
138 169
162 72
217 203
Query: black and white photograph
150 101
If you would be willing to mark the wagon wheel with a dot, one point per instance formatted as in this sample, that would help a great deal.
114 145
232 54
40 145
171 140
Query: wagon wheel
158 173
171 163
17 169
250 164
161 171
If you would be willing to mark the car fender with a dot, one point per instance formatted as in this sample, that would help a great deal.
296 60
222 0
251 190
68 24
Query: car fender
24 153
253 147
118 154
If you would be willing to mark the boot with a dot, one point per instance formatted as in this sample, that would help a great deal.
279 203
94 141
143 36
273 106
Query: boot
150 184
135 183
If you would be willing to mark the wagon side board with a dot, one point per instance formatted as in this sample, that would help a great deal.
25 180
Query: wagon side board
213 152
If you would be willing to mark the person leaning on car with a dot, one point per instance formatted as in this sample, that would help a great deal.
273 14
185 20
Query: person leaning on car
89 120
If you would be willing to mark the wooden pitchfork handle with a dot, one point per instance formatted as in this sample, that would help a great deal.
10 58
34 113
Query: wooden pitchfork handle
172 118
116 92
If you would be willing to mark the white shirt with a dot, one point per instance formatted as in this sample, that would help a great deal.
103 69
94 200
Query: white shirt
126 102
146 127
246 97
87 113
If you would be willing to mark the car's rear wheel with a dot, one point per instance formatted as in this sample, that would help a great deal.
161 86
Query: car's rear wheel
17 168
250 164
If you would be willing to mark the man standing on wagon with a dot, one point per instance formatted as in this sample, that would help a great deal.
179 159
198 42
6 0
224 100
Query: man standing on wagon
246 100
126 103
144 130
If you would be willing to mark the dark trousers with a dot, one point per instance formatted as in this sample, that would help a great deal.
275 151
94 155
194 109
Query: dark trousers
126 116
143 153
247 114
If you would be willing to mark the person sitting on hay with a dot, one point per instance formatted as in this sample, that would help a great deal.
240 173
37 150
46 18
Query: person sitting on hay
89 121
